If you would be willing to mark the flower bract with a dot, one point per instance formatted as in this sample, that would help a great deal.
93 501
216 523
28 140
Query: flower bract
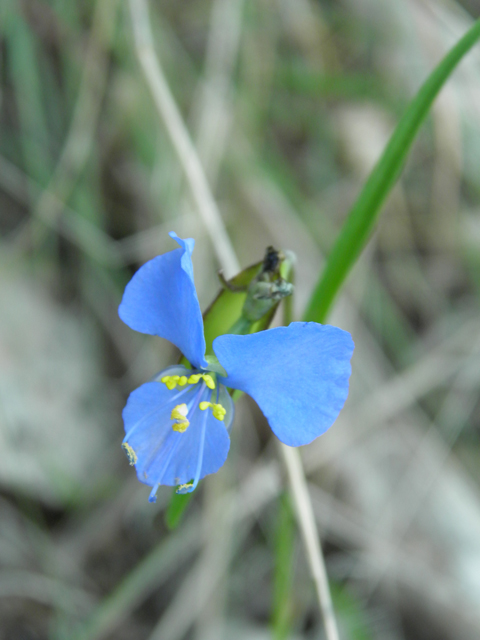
177 425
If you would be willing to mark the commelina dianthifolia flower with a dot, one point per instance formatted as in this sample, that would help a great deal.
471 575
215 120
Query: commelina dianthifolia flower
177 425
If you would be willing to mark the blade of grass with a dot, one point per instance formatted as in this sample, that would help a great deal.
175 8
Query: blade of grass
25 73
361 220
80 137
155 568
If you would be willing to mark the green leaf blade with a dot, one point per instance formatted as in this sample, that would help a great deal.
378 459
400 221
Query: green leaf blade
364 213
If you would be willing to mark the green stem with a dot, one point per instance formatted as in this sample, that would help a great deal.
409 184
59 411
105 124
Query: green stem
358 227
241 327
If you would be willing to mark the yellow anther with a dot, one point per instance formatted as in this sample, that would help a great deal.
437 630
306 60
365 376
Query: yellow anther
170 381
181 427
218 411
182 487
131 455
178 415
209 381
179 412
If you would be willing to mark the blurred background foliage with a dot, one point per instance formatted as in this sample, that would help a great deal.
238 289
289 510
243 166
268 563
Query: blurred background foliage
289 102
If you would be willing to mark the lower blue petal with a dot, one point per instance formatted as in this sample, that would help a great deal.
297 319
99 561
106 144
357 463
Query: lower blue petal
162 455
298 375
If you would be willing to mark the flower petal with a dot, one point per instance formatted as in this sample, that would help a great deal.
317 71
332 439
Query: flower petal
161 300
298 375
162 455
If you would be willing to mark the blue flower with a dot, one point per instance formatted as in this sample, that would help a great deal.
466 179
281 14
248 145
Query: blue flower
177 425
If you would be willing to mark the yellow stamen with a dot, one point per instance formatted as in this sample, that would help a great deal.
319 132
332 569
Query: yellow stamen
178 415
218 410
183 486
131 455
209 381
172 381
180 427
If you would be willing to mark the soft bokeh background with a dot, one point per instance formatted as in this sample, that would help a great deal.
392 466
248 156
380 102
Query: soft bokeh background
289 103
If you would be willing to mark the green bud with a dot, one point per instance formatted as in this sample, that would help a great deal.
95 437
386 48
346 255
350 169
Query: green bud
267 288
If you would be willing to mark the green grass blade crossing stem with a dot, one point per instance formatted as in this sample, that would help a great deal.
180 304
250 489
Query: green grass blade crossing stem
360 222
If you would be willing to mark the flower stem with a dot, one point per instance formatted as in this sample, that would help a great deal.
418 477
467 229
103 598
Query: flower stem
241 327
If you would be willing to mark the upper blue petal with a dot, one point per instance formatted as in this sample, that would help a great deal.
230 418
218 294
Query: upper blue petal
161 300
164 456
298 375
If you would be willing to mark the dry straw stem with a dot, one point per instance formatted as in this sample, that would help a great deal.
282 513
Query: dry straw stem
180 137
306 517
210 214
